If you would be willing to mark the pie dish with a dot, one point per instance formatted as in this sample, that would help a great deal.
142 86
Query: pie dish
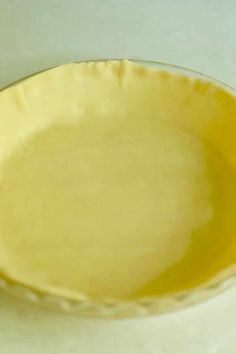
118 193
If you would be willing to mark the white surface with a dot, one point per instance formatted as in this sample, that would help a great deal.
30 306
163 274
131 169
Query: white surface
197 34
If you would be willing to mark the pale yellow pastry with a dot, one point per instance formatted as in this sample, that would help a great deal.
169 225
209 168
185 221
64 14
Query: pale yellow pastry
116 181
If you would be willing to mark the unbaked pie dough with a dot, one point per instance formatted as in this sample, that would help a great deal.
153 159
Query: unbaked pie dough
116 180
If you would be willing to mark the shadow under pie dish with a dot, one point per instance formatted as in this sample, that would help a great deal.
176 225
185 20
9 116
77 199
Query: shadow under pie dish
117 187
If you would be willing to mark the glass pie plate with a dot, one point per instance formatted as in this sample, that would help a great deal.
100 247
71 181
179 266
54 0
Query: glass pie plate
178 297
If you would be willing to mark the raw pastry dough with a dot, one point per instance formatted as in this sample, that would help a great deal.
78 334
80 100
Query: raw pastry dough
116 181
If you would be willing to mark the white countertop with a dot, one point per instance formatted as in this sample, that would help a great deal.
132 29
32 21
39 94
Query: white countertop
198 34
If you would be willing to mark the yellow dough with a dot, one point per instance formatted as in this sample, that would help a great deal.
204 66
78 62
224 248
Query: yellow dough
116 180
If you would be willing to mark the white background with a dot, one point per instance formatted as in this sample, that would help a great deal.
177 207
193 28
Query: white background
200 34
